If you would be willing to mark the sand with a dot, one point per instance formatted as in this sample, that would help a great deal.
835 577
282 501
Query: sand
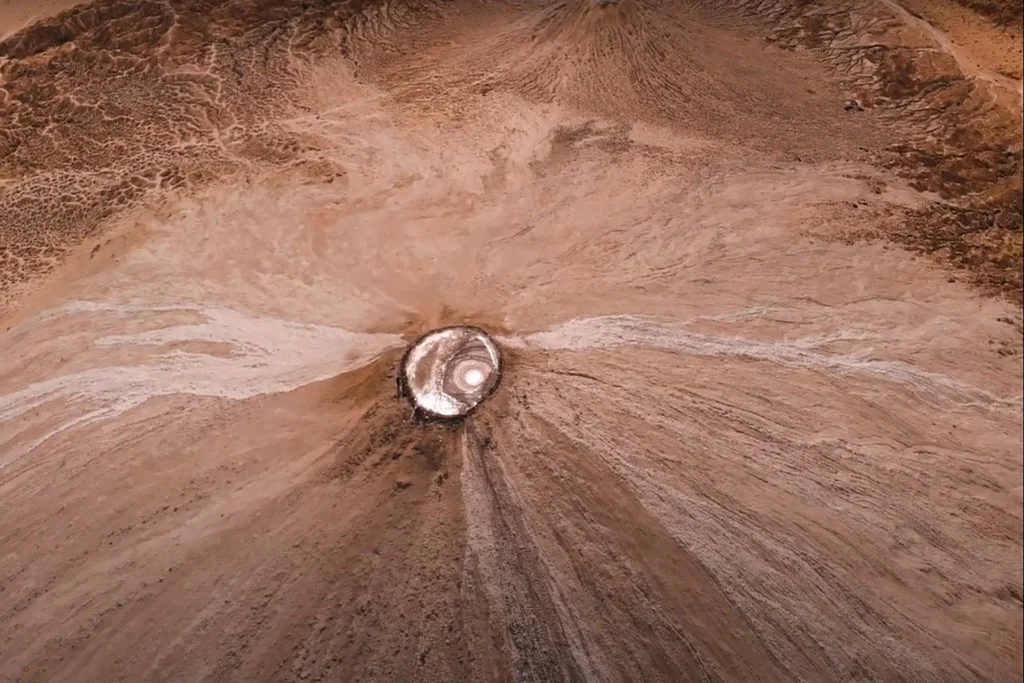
754 268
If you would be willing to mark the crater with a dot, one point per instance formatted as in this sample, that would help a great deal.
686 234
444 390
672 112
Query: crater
449 372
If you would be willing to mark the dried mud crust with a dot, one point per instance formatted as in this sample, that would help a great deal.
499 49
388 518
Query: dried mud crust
355 570
722 450
115 103
960 140
1003 12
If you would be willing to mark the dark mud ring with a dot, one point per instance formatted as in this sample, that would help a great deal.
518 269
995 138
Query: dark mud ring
421 415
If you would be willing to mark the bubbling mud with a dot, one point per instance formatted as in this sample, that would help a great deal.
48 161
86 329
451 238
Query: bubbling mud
449 372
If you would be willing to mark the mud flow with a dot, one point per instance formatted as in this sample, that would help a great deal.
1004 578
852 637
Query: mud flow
510 341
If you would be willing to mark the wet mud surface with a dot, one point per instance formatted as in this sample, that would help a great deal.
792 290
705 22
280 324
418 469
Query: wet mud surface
755 273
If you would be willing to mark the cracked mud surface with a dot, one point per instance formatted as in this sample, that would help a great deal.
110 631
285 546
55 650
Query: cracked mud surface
755 269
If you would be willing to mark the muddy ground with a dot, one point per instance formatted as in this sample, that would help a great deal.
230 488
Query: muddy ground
755 267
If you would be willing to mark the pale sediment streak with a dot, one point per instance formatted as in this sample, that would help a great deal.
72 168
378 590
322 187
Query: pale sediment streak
267 355
615 331
83 306
516 583
721 540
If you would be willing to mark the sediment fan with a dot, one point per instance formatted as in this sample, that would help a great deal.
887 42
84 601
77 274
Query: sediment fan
683 408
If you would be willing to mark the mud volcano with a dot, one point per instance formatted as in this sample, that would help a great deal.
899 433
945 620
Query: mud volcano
748 272
449 372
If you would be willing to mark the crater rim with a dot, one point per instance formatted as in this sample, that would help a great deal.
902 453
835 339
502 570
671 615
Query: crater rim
427 406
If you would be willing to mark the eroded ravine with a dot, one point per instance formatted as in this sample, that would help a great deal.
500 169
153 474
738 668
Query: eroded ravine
732 440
